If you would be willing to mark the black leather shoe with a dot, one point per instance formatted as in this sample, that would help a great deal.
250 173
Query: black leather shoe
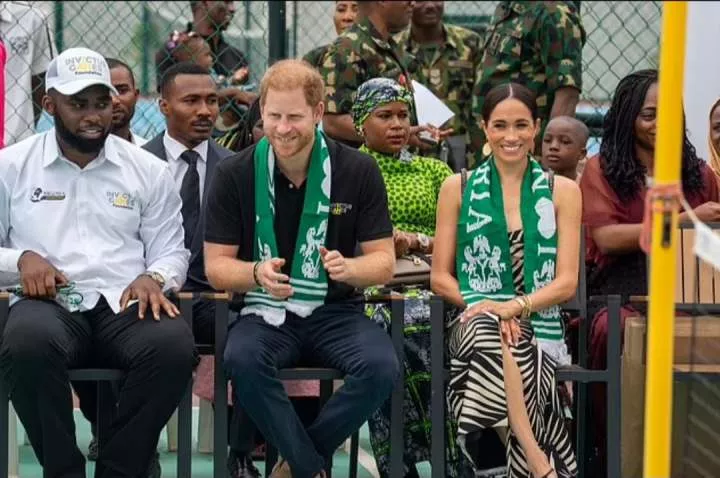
154 470
241 466
92 453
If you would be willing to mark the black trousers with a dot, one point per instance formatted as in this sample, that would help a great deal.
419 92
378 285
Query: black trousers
242 432
42 341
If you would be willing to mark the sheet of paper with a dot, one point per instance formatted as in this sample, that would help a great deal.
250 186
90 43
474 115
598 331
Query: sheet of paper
430 109
707 243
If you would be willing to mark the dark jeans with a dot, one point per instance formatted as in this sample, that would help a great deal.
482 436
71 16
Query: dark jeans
42 341
338 336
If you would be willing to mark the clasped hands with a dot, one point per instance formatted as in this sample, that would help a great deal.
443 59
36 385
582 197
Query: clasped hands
271 278
507 313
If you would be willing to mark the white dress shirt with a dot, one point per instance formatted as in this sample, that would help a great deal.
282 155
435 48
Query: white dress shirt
102 226
137 140
178 166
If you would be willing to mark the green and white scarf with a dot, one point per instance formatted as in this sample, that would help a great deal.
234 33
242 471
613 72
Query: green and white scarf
308 277
483 262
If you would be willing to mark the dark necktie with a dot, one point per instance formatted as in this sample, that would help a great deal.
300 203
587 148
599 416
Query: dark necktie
190 195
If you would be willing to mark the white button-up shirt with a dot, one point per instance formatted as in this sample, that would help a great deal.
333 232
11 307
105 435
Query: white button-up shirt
102 226
178 166
137 140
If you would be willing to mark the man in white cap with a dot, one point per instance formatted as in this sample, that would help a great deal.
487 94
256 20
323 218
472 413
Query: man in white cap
91 226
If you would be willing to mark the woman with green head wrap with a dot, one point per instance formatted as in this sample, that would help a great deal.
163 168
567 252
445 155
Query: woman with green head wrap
381 113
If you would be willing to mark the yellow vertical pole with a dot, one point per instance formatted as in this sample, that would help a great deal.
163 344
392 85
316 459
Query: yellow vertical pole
661 316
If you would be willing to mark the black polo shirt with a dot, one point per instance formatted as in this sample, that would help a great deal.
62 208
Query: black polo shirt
358 208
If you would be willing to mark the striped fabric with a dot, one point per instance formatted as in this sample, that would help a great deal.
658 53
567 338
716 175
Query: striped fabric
476 393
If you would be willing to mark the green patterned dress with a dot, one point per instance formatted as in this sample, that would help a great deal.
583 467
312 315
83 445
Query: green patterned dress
413 186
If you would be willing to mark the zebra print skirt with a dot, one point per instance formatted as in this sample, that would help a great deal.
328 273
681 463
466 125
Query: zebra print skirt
476 394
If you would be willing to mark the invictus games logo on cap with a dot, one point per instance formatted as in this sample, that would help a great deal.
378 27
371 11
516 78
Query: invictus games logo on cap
86 65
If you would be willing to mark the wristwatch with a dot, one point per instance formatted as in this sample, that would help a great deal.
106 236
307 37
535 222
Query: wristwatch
424 241
157 277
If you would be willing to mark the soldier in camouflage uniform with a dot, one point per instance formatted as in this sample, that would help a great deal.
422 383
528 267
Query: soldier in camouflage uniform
345 15
365 51
537 44
447 58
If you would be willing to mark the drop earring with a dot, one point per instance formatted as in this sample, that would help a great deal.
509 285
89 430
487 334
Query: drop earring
486 150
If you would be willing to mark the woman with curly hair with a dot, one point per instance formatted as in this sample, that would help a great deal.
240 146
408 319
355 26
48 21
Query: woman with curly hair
615 182
614 185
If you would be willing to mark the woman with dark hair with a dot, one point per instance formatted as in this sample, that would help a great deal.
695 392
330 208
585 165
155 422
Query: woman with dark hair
614 185
615 181
381 115
507 252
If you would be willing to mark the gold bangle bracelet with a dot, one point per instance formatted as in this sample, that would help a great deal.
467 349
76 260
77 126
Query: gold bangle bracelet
521 302
529 306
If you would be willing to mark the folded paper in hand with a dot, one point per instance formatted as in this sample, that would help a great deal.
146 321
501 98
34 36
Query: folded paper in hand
430 109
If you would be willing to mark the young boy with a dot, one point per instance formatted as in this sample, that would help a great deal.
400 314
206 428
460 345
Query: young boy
564 146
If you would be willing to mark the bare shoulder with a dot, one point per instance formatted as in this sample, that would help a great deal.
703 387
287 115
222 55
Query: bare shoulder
565 190
451 185
450 196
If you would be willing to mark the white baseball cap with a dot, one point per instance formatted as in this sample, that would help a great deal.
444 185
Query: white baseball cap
76 69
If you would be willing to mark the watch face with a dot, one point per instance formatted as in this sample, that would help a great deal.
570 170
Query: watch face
157 278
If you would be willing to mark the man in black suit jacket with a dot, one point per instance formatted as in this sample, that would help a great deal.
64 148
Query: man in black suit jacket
189 102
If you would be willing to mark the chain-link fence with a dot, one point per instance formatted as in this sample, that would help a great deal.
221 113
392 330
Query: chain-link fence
621 37
130 31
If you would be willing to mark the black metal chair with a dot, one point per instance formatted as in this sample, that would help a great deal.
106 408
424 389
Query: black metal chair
115 376
220 428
